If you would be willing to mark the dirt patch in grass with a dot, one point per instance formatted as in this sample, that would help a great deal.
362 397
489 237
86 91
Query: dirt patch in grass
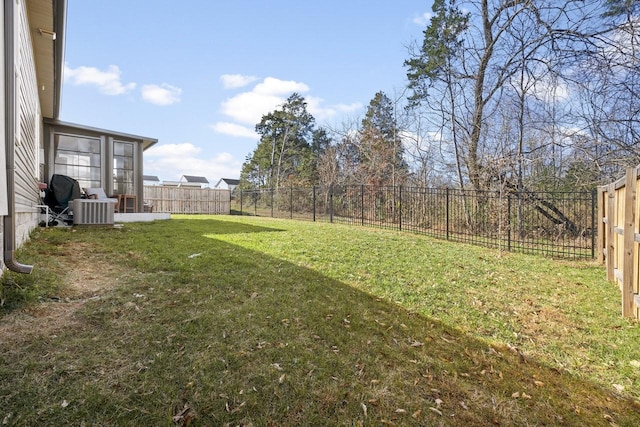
94 274
92 278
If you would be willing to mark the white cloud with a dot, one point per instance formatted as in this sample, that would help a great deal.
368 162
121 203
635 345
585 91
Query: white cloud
276 87
423 20
246 109
234 81
546 89
163 94
249 107
170 161
416 145
234 129
552 91
172 150
321 112
108 82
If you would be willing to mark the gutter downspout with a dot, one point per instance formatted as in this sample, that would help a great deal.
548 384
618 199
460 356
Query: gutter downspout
9 222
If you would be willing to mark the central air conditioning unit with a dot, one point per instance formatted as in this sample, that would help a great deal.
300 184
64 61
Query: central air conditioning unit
92 212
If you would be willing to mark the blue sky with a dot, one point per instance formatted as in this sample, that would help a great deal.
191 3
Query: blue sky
199 74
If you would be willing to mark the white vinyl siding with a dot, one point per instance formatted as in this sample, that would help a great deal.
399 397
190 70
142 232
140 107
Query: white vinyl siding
27 143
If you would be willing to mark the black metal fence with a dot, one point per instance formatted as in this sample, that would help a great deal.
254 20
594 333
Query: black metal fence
555 224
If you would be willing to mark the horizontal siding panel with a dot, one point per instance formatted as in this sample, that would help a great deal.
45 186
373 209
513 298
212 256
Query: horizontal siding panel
28 110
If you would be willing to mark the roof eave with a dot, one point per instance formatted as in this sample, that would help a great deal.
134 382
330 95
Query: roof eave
47 27
60 24
146 141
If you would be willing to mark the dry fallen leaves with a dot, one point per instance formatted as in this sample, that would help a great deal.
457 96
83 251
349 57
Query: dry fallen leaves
437 411
234 410
185 416
523 395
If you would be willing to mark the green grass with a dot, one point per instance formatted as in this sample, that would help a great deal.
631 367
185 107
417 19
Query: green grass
254 321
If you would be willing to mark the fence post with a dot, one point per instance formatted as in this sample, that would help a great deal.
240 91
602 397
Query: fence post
271 197
314 203
629 243
331 204
594 194
508 222
394 207
602 220
361 204
241 213
291 203
400 206
611 236
447 212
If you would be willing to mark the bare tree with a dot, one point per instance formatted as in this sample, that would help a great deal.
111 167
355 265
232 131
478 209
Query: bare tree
608 87
474 54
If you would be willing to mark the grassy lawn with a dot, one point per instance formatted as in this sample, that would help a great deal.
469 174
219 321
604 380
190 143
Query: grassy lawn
260 322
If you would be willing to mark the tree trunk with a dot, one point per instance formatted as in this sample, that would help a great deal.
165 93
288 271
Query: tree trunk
284 142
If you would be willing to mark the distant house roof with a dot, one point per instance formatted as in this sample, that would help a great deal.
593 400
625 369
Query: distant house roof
229 181
152 178
195 179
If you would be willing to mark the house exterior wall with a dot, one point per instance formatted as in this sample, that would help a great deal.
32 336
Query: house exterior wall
28 139
27 127
226 186
223 185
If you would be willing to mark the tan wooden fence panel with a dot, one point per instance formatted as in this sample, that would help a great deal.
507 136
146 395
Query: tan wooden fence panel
619 238
185 200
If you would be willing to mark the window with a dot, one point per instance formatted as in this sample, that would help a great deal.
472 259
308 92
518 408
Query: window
123 168
79 158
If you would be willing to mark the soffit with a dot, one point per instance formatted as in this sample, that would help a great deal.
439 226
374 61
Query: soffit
42 16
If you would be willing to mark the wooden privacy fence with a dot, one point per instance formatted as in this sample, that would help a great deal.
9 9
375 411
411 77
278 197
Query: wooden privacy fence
619 238
187 200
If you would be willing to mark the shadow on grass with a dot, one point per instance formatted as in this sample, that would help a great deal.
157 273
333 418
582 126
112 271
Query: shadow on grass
214 226
236 337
